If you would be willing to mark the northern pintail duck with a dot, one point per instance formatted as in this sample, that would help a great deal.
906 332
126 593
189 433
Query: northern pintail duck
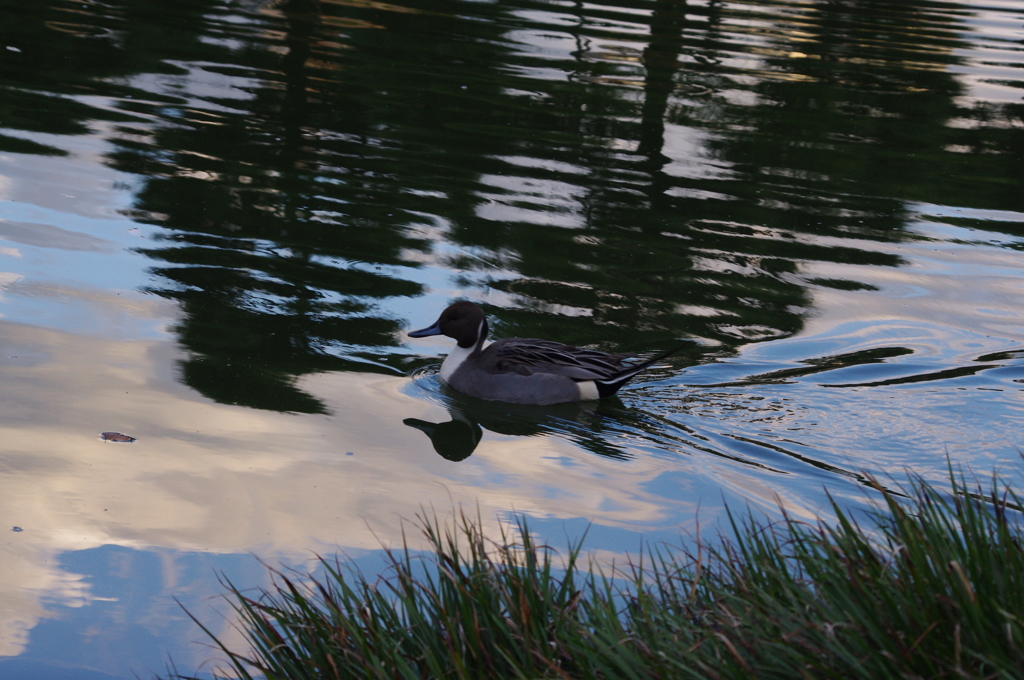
524 370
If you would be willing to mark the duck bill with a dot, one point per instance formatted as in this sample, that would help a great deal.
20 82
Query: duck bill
424 332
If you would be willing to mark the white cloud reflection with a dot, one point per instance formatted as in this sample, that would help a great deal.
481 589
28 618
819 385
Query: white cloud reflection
214 478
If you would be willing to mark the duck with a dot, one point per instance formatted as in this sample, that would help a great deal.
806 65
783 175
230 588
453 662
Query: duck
525 370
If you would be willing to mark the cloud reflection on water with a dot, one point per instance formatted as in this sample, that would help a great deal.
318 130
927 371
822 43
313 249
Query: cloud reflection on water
220 479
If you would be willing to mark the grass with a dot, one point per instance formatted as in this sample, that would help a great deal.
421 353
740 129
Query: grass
934 588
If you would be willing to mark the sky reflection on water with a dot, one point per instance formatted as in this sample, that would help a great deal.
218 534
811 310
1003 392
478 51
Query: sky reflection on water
216 228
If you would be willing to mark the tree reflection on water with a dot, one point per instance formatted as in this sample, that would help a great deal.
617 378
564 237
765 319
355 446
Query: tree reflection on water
620 174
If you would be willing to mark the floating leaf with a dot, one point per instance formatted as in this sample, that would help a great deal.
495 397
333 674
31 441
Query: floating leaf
116 437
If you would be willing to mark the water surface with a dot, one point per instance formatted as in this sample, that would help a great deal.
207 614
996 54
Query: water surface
219 218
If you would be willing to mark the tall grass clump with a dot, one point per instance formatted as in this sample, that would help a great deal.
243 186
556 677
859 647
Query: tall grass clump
933 588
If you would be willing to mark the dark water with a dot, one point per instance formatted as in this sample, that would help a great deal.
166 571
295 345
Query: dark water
218 219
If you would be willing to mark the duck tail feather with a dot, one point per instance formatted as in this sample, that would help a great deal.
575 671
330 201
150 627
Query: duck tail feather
606 388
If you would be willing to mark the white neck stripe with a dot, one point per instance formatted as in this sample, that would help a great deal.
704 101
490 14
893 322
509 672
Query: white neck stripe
454 360
458 355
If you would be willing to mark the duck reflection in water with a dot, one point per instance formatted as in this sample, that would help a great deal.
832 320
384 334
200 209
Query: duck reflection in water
458 438
455 440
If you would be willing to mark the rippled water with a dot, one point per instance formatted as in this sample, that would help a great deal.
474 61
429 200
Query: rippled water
218 219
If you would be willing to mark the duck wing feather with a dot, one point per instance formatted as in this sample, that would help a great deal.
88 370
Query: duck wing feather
528 356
